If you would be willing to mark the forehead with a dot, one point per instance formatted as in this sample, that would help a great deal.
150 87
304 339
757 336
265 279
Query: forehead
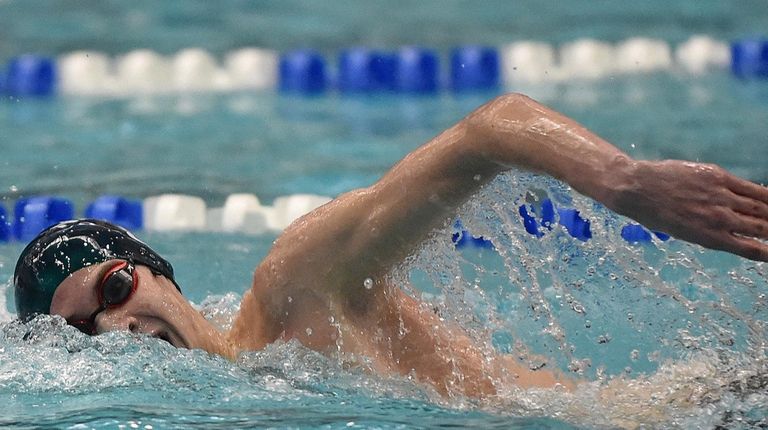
76 289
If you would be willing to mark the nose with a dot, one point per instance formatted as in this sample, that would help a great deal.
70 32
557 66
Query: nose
116 322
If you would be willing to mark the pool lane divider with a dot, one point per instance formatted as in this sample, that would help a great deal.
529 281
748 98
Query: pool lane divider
244 213
34 214
30 75
5 226
167 212
356 70
750 58
124 212
538 220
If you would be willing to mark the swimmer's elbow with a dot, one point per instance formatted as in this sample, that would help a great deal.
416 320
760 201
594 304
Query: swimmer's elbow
506 107
493 130
514 99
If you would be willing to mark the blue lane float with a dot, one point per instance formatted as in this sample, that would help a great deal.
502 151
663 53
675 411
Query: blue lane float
416 71
636 233
577 227
546 218
118 210
530 223
34 214
5 228
574 223
474 68
408 70
749 58
462 238
30 75
363 70
384 71
302 72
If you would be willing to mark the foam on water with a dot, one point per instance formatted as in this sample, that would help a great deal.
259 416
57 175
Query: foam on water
53 375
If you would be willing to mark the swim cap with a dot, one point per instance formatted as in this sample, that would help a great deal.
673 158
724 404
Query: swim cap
69 246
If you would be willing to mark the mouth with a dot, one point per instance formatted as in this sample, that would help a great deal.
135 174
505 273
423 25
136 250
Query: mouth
165 331
164 337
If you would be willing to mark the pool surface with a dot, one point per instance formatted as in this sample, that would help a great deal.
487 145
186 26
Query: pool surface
686 322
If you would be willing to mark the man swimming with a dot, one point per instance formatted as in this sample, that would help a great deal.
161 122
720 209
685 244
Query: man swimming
100 278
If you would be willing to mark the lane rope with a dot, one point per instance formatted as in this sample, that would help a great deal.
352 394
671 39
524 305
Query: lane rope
410 70
244 213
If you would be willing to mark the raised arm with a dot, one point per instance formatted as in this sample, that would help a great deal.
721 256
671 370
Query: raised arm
323 281
362 234
381 225
374 228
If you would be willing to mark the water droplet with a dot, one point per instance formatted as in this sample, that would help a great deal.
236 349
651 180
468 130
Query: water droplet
578 308
600 372
368 283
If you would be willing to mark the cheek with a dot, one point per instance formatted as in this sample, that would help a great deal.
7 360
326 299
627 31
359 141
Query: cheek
147 305
69 302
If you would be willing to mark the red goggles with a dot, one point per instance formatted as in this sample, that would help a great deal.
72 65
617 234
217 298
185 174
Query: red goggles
114 290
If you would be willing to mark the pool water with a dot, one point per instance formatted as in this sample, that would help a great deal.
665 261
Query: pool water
687 324
116 27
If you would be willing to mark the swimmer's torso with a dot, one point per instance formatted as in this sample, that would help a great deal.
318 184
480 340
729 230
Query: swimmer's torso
393 334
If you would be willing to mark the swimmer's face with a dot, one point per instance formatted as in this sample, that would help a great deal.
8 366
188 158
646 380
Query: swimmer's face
94 300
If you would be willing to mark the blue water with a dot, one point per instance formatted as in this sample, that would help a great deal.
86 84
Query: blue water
670 314
115 27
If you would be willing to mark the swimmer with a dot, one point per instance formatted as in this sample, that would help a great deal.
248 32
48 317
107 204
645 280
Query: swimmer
99 277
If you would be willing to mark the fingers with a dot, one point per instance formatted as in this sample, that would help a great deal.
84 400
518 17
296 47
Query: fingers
745 247
736 233
748 189
749 206
749 248
750 226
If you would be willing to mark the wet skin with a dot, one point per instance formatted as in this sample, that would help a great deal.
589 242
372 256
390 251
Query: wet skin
301 291
156 308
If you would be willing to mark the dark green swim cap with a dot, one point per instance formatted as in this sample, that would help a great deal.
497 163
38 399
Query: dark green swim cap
66 248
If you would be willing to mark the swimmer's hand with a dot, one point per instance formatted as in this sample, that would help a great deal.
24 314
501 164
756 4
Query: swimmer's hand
699 203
